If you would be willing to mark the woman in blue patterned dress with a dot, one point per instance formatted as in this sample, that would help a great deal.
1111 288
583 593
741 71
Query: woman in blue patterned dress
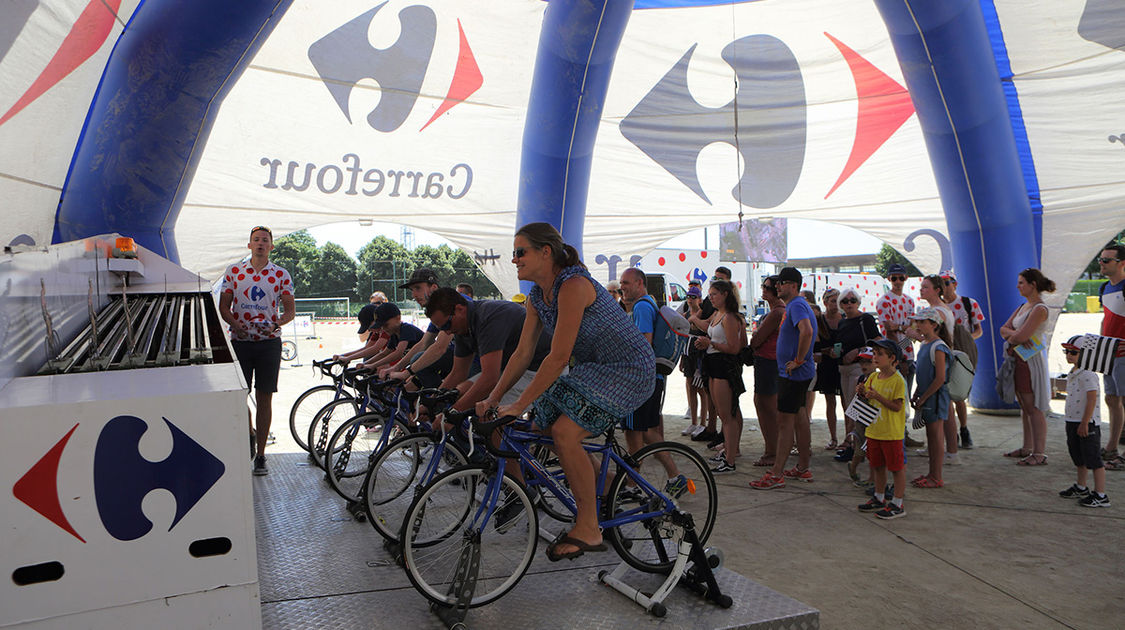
612 367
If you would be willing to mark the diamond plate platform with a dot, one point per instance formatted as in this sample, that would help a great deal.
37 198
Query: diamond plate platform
320 569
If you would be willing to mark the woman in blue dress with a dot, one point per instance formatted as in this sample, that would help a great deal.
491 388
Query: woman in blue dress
612 367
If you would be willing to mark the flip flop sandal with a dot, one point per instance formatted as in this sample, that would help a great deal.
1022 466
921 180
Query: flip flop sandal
831 445
761 462
1035 459
926 482
582 547
1019 452
1115 464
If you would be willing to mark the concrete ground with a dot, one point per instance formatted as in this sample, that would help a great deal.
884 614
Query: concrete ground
995 548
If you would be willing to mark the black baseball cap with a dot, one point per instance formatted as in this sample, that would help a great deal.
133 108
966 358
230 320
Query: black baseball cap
420 275
384 313
366 317
789 274
896 268
890 346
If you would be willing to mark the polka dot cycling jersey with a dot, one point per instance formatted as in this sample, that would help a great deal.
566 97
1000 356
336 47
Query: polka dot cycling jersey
256 297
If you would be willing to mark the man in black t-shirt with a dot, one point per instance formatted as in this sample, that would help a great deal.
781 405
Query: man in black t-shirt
490 330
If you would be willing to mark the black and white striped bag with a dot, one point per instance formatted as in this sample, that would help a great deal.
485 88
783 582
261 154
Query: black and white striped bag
862 411
1097 353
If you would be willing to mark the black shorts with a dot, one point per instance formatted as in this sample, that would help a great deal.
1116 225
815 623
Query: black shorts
648 415
765 377
1085 451
791 395
261 359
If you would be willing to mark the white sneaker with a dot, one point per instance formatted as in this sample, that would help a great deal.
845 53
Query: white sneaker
922 452
686 416
696 429
688 429
951 459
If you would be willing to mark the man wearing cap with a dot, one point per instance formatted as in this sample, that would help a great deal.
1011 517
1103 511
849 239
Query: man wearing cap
795 373
401 337
248 303
894 310
489 330
432 359
968 317
1111 294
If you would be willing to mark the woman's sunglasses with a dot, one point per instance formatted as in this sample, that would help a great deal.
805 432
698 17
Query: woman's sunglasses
849 301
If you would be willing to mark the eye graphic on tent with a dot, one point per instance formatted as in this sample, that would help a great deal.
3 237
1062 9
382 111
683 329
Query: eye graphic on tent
671 127
345 57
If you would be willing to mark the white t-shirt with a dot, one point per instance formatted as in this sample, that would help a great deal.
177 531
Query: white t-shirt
1078 383
256 296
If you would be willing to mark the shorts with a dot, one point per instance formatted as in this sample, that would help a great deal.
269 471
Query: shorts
791 395
1085 451
931 412
647 416
261 359
1114 384
765 377
886 453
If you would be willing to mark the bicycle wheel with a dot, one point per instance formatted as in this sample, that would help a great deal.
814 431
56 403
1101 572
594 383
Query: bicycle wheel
398 474
288 351
352 448
442 523
325 423
306 407
647 545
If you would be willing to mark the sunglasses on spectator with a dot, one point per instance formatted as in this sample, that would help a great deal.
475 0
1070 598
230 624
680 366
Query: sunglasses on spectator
261 227
519 252
1106 261
898 278
849 301
1071 352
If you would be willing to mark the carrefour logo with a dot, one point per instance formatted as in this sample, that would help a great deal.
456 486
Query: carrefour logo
254 293
345 57
122 478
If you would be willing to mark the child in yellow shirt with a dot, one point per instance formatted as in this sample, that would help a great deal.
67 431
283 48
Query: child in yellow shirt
887 391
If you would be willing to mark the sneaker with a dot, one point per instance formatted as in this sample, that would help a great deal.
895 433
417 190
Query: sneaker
799 475
722 467
688 429
922 452
631 495
966 439
862 483
911 442
768 482
696 430
951 459
845 454
1074 492
260 466
270 438
717 457
872 505
676 487
1094 501
890 511
704 436
686 416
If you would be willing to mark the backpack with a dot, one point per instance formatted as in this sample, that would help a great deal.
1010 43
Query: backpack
963 339
959 374
670 337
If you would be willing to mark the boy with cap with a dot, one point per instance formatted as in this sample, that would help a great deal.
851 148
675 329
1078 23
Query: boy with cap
1083 430
374 339
401 337
887 391
865 359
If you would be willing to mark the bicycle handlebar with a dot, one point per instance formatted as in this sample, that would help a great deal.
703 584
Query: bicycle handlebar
486 427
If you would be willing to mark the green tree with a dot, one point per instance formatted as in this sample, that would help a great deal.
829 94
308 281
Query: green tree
436 259
465 269
1092 269
888 256
383 265
296 253
333 273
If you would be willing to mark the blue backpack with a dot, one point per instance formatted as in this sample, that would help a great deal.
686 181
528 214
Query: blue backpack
670 337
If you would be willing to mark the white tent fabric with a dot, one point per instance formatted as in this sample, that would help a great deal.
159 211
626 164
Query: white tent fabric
51 58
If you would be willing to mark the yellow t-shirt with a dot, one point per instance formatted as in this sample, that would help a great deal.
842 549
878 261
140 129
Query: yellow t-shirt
890 425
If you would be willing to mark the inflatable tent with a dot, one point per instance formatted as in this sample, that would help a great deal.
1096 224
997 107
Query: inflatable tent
980 135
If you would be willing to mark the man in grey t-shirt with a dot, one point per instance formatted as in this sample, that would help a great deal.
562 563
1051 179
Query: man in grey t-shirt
488 329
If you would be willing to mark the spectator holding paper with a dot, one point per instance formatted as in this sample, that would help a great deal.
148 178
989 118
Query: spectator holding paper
1023 334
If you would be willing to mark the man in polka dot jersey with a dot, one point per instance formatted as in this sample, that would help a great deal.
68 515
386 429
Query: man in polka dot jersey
248 303
895 309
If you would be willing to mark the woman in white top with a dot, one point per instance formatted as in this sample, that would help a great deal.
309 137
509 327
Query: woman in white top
1025 327
726 336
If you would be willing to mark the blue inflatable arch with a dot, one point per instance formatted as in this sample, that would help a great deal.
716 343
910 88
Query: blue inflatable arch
144 134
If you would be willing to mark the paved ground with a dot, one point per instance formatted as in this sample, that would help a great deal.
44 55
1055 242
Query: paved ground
996 548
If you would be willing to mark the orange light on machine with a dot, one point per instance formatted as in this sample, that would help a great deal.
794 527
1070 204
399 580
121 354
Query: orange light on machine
124 247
